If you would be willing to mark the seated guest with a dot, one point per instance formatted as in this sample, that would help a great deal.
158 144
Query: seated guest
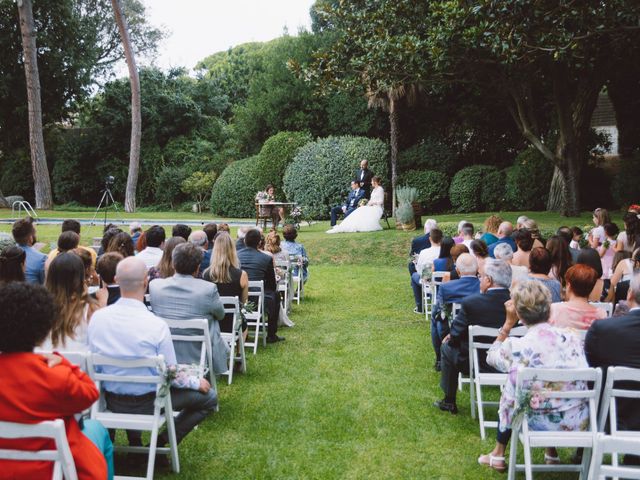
518 272
591 257
199 239
141 243
444 262
24 233
273 247
164 269
425 259
532 227
106 268
226 274
420 243
622 276
242 232
181 230
467 234
135 230
260 267
152 253
351 203
290 233
540 266
210 229
36 388
128 330
72 226
543 346
123 244
504 236
66 241
90 277
524 243
628 238
224 227
560 257
459 237
74 306
12 264
576 311
184 296
491 226
615 342
110 231
480 251
452 292
577 235
567 234
485 309
521 221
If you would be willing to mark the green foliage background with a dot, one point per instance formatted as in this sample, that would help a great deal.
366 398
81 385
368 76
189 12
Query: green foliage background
528 181
466 188
234 192
432 186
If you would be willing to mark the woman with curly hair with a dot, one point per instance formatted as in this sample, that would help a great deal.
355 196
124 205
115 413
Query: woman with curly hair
12 264
123 244
491 226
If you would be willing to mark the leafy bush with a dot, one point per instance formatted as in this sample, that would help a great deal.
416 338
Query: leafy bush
528 181
16 176
626 183
427 154
406 195
319 175
199 185
466 188
493 189
433 187
233 194
276 155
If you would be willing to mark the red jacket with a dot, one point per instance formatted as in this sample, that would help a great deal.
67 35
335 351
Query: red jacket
30 392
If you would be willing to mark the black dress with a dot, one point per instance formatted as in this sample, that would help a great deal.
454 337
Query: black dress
232 289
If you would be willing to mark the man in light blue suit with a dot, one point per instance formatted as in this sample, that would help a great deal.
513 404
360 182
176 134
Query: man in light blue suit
185 297
355 195
24 233
453 292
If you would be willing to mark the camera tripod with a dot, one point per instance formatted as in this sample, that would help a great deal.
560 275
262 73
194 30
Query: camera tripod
107 197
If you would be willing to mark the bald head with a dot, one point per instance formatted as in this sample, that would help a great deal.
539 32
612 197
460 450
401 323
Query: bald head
199 239
467 264
131 276
505 229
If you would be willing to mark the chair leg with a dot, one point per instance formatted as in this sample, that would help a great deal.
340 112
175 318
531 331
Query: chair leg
483 433
153 443
528 462
173 443
472 386
513 456
243 357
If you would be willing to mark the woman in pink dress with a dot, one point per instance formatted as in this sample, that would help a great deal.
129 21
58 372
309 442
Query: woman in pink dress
576 312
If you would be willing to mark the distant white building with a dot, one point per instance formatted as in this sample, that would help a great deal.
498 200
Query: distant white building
604 120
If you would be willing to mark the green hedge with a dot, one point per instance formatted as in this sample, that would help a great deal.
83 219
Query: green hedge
234 192
427 154
493 190
528 181
319 175
433 187
626 183
467 186
276 155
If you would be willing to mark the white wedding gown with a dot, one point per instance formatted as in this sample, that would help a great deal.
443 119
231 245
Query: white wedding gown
364 219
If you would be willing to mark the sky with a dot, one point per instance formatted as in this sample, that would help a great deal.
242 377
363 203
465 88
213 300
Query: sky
198 28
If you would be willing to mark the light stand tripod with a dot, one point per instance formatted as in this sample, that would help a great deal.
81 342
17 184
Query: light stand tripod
107 197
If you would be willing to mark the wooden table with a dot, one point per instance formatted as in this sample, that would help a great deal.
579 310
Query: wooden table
265 211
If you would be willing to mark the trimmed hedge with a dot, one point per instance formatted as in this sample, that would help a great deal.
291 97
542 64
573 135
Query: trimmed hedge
276 155
493 190
528 181
433 187
626 183
466 188
319 176
234 192
427 154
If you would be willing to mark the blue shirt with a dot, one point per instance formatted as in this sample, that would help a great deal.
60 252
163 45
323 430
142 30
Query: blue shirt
295 248
35 265
508 240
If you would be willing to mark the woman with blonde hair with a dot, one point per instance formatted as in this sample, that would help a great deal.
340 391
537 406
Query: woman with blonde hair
491 225
272 246
225 272
597 236
165 269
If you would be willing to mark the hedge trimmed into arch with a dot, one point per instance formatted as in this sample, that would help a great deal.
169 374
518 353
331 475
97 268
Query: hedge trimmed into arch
234 192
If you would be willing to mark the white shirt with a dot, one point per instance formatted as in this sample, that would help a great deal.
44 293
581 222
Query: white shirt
467 243
127 330
427 256
150 256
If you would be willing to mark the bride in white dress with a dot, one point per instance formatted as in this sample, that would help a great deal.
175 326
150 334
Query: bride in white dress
365 218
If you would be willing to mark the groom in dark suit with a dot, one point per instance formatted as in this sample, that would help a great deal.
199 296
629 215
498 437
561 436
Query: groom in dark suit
364 176
355 195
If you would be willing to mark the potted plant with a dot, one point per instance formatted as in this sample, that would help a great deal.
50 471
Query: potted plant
405 215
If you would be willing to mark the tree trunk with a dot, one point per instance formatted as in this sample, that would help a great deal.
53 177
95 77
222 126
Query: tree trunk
394 122
557 197
136 114
41 181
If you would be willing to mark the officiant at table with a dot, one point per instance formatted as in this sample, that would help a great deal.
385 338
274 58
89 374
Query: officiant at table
265 198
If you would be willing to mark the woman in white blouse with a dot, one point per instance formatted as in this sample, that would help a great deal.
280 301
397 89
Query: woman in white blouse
367 217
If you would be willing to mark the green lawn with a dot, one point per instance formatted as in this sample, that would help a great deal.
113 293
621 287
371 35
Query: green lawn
349 393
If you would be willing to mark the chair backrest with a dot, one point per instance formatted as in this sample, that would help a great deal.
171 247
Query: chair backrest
199 334
614 390
455 308
53 429
256 295
606 306
614 445
76 358
476 331
232 305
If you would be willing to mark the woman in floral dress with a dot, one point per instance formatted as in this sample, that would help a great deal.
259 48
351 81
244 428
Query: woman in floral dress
543 346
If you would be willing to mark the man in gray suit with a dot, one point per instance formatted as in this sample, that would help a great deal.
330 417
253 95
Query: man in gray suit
259 266
184 297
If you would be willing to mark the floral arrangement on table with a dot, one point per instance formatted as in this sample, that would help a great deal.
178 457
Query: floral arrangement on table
263 197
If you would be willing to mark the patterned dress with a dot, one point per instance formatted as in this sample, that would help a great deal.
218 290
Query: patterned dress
543 346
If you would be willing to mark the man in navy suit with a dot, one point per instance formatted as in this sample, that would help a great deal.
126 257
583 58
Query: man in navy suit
485 309
453 292
364 177
504 236
420 243
355 195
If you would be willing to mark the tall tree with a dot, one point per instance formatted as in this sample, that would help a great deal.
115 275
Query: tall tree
136 111
39 167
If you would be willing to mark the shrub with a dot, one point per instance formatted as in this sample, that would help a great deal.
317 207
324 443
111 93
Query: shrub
276 155
319 175
233 194
466 188
528 181
626 183
433 187
493 190
427 154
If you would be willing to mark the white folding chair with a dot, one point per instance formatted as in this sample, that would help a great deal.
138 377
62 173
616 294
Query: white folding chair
478 379
563 439
455 308
128 421
61 457
256 321
614 445
285 284
430 291
612 392
606 306
76 358
199 334
234 338
297 279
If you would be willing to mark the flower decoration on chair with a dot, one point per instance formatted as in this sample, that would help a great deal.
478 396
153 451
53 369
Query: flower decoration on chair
247 308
